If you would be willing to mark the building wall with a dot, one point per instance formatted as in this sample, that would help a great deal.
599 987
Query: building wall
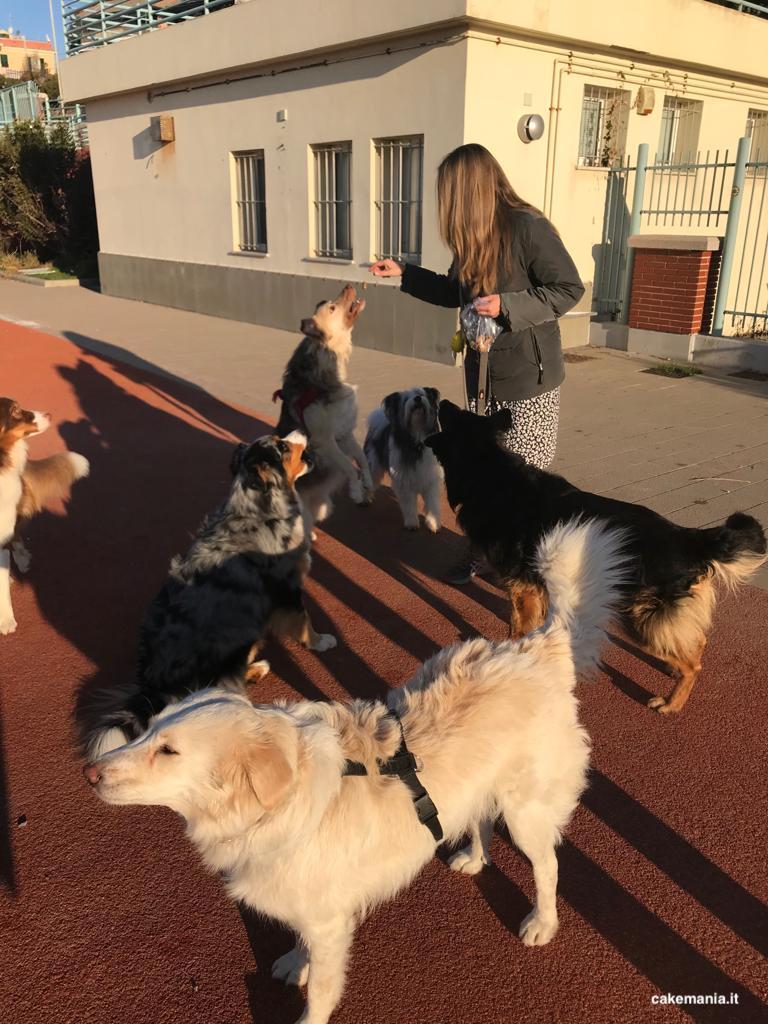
24 55
451 80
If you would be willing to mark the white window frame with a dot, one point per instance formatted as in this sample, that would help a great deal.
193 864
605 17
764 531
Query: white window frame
250 200
332 197
679 130
604 123
399 197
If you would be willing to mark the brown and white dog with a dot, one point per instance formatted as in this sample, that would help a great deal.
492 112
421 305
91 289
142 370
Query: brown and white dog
318 401
25 487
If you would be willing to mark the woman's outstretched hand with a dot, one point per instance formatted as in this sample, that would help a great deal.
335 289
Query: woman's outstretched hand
488 305
386 268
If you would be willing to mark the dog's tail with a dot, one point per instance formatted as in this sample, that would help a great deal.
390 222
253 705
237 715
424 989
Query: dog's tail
116 715
112 717
583 564
47 480
736 549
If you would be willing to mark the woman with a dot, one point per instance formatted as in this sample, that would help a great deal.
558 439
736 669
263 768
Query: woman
509 261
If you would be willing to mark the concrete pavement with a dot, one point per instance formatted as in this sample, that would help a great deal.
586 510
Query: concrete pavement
694 449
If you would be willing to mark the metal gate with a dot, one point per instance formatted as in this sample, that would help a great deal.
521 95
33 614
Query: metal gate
716 194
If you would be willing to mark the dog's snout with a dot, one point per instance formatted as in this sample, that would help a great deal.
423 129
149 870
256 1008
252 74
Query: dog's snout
92 774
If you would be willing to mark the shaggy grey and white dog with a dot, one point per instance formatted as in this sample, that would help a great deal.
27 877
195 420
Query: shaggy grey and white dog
395 445
242 578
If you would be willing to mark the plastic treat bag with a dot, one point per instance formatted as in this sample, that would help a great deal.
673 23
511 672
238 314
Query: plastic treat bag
479 331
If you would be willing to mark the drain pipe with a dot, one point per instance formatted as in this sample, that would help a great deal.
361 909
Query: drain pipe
731 230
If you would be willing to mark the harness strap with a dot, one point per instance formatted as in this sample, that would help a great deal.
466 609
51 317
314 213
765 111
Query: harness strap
403 765
307 397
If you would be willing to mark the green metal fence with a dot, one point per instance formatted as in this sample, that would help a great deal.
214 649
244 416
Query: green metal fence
713 193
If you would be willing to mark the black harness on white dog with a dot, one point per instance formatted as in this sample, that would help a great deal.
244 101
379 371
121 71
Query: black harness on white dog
403 765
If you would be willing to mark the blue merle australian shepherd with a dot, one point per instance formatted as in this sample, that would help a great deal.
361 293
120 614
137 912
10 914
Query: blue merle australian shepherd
242 578
395 445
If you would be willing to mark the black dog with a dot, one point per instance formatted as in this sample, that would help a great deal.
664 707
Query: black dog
505 506
242 577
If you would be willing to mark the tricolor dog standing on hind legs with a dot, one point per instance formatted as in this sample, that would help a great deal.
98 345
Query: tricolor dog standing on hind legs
313 813
318 401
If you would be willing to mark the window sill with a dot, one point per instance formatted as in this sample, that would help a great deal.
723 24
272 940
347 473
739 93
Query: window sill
249 255
338 261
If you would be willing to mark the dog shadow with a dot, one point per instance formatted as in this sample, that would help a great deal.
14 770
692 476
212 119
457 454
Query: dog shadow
663 956
269 999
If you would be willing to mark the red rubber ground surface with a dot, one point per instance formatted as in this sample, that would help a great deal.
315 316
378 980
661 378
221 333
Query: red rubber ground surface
107 917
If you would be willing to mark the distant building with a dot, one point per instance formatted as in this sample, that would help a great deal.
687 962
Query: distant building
247 161
20 56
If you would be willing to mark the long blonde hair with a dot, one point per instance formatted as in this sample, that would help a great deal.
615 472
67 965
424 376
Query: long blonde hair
474 202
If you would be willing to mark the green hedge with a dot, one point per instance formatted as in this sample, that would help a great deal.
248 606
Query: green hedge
46 198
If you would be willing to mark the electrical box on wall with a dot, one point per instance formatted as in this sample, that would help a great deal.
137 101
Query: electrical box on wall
646 100
163 129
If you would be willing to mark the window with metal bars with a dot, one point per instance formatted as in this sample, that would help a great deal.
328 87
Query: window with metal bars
679 133
604 118
757 131
399 193
333 200
251 201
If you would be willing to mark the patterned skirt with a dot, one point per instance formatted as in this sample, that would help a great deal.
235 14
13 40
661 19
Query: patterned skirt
534 426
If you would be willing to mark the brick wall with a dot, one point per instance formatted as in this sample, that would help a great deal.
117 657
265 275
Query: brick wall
672 290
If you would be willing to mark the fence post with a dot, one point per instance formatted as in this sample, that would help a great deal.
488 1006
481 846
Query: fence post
731 230
634 225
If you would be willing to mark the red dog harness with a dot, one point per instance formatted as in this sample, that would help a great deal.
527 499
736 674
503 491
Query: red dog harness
305 399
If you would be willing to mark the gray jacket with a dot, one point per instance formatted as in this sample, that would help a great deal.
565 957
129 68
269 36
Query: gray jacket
526 359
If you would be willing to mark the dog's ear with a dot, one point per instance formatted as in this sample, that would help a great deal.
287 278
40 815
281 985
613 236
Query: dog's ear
309 327
236 462
433 397
449 414
261 767
501 421
391 406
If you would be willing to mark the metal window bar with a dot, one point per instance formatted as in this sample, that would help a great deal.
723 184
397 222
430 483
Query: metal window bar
756 131
603 131
89 23
399 197
679 133
333 200
759 10
251 201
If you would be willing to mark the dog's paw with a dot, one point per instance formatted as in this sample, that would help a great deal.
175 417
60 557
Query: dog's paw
256 670
324 642
7 624
313 536
466 862
536 930
356 491
432 523
660 704
411 524
293 968
21 557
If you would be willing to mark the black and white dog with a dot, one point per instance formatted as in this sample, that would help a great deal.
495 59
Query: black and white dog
395 445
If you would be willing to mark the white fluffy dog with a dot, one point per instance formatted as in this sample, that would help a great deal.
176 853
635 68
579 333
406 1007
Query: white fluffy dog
394 444
268 802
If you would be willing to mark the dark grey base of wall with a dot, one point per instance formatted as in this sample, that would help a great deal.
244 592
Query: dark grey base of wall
392 322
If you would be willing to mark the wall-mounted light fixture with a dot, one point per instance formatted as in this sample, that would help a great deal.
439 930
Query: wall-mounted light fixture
530 127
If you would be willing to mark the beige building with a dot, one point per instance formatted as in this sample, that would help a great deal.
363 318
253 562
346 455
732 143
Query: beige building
247 161
20 56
